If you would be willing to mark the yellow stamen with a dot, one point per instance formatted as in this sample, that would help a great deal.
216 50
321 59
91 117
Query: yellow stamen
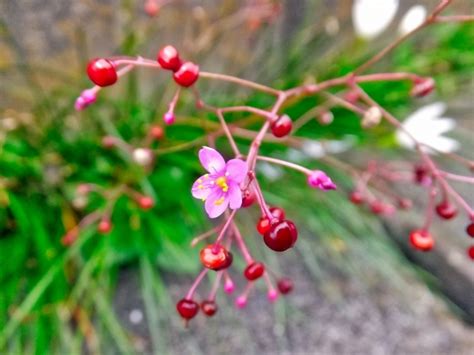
219 201
222 183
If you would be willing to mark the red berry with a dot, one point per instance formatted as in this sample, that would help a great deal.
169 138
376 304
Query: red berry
278 213
446 210
248 198
187 74
187 308
470 230
209 308
104 226
263 225
254 270
377 207
145 202
282 236
215 257
168 57
470 252
157 132
102 72
282 126
421 240
421 173
356 197
285 286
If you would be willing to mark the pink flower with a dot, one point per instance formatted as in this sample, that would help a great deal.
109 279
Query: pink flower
220 187
319 180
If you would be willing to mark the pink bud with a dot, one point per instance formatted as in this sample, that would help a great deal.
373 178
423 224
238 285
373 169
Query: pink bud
229 286
143 156
89 96
423 87
80 104
169 118
241 301
319 180
272 295
152 8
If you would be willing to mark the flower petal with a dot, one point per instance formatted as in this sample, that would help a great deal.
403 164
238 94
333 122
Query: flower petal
202 187
236 170
211 160
372 17
412 19
216 203
235 196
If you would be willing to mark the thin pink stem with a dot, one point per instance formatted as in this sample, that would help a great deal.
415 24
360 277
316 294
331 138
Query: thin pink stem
285 163
461 178
227 132
430 209
197 281
215 286
224 228
241 244
241 82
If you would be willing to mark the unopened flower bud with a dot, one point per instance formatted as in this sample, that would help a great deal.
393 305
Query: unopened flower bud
422 87
151 8
169 118
108 142
319 180
372 117
325 118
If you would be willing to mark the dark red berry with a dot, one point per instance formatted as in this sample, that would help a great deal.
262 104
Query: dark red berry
187 308
209 308
215 257
356 197
102 72
282 126
421 174
470 230
470 252
421 240
104 226
285 286
446 210
168 57
187 74
248 198
145 202
254 270
282 236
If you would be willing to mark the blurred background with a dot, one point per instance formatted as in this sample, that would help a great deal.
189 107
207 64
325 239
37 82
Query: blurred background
359 289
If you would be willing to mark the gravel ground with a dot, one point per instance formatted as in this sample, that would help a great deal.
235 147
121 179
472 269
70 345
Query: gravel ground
342 316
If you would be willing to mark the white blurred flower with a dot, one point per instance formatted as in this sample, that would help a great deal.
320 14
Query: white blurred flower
372 17
316 149
143 156
427 126
412 19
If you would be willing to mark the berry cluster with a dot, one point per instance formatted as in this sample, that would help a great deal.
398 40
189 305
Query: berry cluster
230 185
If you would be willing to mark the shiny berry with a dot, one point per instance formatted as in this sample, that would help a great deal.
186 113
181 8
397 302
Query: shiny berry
421 240
102 72
168 57
187 74
285 286
215 257
209 308
145 202
263 225
278 213
169 118
470 252
254 270
356 197
248 198
104 226
282 126
187 308
282 236
470 230
446 210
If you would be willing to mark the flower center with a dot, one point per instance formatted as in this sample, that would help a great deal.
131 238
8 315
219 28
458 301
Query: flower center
222 183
